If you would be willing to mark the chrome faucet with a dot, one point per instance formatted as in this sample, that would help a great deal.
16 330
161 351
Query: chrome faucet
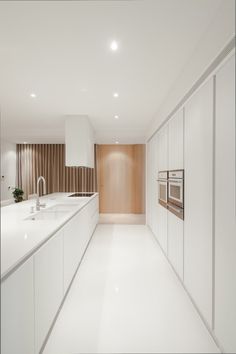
38 205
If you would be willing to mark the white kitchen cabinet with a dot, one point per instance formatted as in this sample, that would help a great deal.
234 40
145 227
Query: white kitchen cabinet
48 282
152 186
176 243
225 204
163 148
157 161
176 141
93 215
76 233
17 311
162 165
148 184
33 293
198 159
155 185
162 223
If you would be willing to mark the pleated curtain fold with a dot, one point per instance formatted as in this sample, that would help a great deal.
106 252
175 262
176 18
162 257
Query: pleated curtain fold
48 160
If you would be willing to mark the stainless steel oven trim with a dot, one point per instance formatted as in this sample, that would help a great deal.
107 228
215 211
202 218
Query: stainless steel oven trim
178 184
163 180
165 183
176 174
176 178
178 211
163 175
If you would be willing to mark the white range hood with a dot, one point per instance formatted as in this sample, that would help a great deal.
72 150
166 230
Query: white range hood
79 139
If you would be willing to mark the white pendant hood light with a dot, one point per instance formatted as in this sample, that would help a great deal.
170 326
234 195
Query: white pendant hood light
79 139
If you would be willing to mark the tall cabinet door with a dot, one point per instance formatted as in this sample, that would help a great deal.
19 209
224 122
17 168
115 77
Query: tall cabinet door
152 197
163 148
176 141
155 185
176 162
198 159
150 183
225 204
162 162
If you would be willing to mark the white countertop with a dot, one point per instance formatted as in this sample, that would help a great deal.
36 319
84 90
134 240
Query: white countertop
20 238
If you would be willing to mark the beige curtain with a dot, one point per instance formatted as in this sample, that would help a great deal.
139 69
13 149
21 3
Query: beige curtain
48 160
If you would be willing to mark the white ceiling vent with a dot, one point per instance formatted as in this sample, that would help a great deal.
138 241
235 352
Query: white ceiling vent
79 139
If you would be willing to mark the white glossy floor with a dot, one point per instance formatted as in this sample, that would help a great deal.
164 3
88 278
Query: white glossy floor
133 219
127 299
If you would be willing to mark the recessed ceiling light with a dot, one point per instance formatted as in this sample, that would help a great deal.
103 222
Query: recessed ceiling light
116 117
117 142
114 46
33 95
24 142
115 94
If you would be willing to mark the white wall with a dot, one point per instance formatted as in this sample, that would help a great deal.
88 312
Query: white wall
8 168
221 31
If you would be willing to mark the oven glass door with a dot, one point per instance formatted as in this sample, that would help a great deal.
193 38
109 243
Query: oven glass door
176 192
163 191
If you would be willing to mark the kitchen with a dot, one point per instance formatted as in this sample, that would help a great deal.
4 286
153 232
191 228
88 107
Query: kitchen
118 194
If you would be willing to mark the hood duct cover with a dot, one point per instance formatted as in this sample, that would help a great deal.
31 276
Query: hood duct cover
79 140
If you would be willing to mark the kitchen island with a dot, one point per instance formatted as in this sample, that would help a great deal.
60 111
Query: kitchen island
41 252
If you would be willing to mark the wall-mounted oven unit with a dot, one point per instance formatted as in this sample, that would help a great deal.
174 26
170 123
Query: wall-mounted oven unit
163 188
176 192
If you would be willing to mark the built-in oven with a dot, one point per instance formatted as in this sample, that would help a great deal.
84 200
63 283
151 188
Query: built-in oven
163 188
176 192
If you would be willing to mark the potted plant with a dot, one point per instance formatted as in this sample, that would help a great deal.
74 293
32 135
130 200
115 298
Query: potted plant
18 194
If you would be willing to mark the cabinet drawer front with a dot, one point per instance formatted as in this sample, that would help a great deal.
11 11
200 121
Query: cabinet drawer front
48 272
17 311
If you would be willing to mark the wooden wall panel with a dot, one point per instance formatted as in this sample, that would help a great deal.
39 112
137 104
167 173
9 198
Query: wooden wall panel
121 178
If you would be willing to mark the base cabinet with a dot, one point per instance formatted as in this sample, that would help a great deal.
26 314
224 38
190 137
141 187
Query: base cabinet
75 233
176 243
31 296
48 283
93 211
17 311
73 238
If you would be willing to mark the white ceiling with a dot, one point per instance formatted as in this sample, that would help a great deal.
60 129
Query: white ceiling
60 51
